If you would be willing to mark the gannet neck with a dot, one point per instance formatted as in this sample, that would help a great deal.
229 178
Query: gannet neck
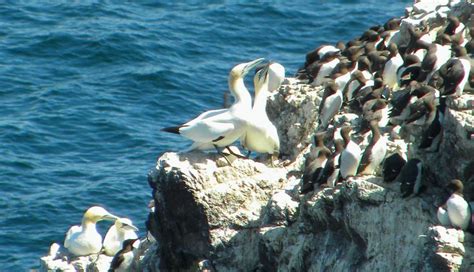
239 91
88 225
261 95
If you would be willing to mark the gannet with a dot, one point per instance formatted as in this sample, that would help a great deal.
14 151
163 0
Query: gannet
276 75
84 239
260 134
220 128
123 260
122 230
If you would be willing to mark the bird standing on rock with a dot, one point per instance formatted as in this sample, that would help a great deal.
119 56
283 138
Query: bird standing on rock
260 134
350 156
220 128
374 153
330 104
122 230
457 208
84 240
123 260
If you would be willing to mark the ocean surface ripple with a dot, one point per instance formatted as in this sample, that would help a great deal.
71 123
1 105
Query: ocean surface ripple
85 87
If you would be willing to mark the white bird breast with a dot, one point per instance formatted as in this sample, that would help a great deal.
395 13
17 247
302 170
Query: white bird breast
458 211
350 159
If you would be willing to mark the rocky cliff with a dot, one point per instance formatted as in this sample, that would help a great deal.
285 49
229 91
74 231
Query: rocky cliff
251 217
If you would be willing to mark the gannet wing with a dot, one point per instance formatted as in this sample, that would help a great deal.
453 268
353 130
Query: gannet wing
70 232
207 130
204 115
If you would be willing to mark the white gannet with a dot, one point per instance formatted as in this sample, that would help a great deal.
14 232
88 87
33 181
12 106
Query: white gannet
122 230
122 261
261 135
84 239
220 128
276 75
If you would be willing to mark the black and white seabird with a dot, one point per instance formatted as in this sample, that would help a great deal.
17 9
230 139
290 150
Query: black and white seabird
374 153
432 136
391 67
313 170
350 156
122 261
330 104
457 208
422 112
410 178
437 55
392 166
455 73
359 80
319 70
409 71
331 168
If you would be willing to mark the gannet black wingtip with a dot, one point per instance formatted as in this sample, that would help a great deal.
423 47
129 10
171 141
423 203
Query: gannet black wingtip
174 130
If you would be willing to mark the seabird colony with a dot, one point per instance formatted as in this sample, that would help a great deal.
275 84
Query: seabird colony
391 87
394 89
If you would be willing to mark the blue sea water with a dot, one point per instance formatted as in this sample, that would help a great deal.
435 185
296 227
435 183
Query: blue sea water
85 87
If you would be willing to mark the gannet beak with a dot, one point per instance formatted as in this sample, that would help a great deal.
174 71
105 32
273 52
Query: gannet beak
109 217
130 226
251 65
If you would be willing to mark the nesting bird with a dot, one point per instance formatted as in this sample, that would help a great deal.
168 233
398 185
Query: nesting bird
84 240
457 209
122 230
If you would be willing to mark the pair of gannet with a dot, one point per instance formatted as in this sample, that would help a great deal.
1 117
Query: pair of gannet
84 240
221 128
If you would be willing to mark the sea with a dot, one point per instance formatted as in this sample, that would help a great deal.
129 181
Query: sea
85 87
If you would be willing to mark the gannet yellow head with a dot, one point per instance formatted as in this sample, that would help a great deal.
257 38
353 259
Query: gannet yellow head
96 213
125 224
